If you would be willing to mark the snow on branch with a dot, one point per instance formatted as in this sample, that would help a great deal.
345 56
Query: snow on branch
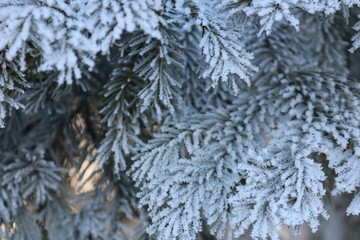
69 34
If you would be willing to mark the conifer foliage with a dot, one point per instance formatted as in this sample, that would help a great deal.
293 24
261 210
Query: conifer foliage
164 119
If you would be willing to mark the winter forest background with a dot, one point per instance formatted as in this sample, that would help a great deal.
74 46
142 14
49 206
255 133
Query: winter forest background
179 119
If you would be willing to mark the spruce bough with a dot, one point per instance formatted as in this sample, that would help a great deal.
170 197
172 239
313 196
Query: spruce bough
161 119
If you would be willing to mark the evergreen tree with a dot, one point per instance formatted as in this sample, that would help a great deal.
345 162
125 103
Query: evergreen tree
176 119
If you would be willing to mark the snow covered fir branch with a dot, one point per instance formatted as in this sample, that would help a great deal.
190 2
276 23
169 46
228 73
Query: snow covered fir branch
178 119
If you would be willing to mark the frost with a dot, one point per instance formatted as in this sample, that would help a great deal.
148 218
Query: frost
183 118
69 34
12 83
276 134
